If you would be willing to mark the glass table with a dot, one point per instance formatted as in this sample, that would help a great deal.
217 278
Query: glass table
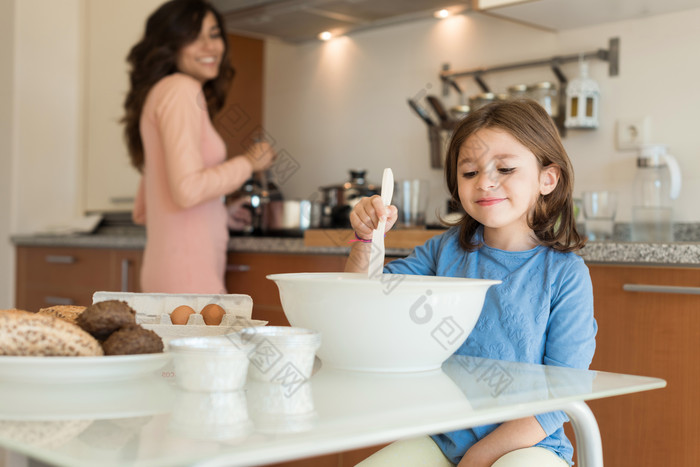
150 422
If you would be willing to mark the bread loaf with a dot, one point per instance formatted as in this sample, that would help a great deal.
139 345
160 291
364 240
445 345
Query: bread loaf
30 334
66 312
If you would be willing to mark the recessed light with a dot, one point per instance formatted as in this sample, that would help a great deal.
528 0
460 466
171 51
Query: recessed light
442 13
325 36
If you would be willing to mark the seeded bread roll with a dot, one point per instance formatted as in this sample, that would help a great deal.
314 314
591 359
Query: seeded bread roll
30 334
67 312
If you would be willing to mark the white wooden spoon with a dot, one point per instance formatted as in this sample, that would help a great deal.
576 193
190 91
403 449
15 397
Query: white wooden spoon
376 254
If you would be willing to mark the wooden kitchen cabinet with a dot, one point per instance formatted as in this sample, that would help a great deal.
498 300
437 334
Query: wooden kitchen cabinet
69 275
650 334
246 273
48 276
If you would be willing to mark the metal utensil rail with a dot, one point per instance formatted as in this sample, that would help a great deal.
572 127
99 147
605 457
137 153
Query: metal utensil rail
610 55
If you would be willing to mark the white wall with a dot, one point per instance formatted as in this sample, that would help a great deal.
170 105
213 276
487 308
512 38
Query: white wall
7 41
48 87
659 69
342 104
41 140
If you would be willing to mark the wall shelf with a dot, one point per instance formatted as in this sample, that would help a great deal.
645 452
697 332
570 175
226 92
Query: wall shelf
610 55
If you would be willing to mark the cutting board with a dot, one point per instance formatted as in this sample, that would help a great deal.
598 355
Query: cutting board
399 238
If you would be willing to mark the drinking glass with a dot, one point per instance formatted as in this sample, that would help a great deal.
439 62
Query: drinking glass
411 199
599 209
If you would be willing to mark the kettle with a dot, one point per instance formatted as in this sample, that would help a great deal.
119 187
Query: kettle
657 183
255 195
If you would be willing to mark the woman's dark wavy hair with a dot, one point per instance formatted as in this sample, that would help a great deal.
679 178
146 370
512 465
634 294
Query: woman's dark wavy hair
171 27
552 219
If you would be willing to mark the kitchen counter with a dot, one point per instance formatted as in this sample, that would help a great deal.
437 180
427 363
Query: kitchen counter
684 252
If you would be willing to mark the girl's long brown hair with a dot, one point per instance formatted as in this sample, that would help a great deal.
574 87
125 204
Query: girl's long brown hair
172 26
552 219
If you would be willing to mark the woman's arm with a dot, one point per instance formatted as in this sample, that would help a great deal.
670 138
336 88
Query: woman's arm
181 114
509 436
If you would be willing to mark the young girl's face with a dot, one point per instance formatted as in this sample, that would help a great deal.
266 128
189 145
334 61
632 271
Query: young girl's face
500 180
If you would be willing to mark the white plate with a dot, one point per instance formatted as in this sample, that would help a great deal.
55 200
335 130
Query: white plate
136 397
71 370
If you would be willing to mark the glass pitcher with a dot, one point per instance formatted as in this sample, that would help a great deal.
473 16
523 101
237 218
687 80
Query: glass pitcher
656 184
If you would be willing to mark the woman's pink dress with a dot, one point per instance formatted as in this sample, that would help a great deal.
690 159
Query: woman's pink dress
180 195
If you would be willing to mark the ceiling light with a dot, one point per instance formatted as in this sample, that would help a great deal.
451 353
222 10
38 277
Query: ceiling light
441 13
325 36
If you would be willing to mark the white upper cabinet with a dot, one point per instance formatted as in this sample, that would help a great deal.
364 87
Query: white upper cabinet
569 14
112 28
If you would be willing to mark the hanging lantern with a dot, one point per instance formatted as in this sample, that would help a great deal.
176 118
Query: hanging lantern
582 101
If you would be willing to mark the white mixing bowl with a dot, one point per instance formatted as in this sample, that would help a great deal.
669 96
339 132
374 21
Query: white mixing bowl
395 323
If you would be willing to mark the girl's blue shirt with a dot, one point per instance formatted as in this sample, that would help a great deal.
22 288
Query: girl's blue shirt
542 312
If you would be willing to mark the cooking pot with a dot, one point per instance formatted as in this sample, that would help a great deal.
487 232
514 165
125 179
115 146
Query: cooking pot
290 216
338 200
258 208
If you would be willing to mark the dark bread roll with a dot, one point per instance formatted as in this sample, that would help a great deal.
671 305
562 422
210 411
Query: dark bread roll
132 339
101 319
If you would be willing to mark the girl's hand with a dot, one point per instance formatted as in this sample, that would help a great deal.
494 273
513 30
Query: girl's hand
261 156
365 216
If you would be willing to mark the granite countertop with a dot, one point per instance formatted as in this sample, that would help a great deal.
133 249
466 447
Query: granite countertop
684 251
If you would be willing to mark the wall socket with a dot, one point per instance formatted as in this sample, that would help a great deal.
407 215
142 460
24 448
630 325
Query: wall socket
632 132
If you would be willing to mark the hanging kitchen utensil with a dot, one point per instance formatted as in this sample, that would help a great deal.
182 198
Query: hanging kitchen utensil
460 111
440 111
421 112
435 138
376 253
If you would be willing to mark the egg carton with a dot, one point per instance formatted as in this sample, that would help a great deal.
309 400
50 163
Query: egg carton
153 312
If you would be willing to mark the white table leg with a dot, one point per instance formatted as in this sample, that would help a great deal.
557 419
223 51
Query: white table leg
588 443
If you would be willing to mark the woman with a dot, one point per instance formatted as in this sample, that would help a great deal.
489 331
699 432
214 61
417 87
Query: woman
179 78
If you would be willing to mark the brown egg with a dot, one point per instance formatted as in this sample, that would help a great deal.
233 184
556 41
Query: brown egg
180 314
213 314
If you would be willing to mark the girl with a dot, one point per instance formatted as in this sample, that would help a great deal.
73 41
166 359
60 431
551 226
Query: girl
507 168
179 77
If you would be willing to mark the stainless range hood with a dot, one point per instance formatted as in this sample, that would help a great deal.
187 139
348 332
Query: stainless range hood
302 20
